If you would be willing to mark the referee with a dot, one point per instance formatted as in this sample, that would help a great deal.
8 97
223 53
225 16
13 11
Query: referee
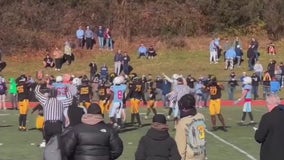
52 111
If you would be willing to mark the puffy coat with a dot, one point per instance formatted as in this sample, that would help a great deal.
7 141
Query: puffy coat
157 145
91 140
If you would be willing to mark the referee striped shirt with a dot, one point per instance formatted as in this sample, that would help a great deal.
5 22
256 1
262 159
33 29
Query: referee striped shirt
53 108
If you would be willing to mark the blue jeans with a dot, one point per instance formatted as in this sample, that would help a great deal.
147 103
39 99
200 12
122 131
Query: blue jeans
101 42
109 43
254 92
231 92
266 90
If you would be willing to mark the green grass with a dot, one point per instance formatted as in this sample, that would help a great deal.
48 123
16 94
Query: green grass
17 145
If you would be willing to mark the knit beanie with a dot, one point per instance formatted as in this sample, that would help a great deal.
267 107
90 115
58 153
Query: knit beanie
160 118
94 109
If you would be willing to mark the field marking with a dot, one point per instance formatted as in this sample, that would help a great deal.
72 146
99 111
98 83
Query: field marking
5 114
230 144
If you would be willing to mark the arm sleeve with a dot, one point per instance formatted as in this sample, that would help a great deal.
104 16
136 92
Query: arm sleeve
68 142
68 101
116 145
262 131
174 154
39 96
140 152
181 140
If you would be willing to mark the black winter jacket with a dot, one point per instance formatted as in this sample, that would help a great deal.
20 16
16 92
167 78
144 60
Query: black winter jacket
157 145
271 135
91 140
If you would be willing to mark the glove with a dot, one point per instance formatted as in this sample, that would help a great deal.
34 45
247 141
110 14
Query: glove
254 128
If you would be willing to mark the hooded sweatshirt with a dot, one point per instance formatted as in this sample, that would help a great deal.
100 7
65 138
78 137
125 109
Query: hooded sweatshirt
157 145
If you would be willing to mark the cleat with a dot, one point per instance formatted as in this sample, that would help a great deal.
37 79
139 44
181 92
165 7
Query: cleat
224 129
42 145
214 129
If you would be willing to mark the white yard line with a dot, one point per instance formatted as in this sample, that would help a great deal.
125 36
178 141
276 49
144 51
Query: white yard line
4 114
233 146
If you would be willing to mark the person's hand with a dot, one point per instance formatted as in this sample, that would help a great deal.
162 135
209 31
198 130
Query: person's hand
237 101
144 103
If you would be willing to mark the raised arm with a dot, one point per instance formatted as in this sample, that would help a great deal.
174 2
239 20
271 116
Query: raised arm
39 96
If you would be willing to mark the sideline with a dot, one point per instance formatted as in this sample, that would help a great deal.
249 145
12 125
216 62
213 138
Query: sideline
230 144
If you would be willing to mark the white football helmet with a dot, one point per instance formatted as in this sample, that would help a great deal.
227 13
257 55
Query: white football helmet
59 79
118 80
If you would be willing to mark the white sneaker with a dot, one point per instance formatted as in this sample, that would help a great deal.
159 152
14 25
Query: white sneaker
42 145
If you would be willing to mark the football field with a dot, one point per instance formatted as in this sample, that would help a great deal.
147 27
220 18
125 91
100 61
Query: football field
236 144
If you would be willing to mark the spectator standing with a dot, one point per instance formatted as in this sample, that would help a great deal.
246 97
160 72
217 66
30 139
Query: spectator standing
93 70
281 66
251 58
213 52
258 69
254 46
266 84
142 51
232 85
3 89
80 36
255 83
218 47
274 86
117 62
48 62
157 135
92 139
68 52
108 38
100 34
125 63
52 111
271 68
270 131
58 57
13 93
190 130
89 38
